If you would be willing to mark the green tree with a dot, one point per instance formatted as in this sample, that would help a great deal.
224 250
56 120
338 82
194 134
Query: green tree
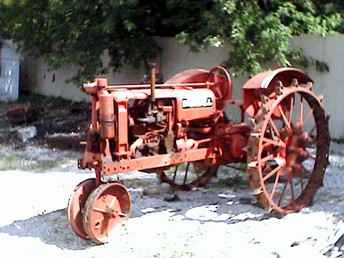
79 31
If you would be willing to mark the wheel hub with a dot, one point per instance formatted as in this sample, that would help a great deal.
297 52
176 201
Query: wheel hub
296 152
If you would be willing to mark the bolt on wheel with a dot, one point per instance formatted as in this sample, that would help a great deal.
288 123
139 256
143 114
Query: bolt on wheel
188 175
76 205
107 206
288 150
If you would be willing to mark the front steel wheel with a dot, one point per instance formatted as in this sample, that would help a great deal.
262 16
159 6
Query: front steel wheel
108 206
76 206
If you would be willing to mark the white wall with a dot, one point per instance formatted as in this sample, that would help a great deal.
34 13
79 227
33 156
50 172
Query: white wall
331 84
41 79
176 58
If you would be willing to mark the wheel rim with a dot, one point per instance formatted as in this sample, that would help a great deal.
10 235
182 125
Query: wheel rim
188 175
106 207
285 170
76 205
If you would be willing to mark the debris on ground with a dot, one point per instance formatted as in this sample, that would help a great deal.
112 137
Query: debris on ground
18 114
25 133
64 141
54 122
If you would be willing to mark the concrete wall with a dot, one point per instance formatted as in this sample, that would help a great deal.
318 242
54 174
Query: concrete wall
176 58
41 79
331 84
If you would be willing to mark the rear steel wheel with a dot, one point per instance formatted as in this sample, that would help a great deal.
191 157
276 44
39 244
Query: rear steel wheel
76 205
222 85
188 175
288 149
106 207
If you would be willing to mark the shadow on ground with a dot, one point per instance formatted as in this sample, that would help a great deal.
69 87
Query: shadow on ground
51 228
203 205
216 203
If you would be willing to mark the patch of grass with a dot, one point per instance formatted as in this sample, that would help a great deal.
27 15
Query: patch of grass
17 162
8 162
44 165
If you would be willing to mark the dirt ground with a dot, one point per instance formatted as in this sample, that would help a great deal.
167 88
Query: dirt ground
220 220
217 221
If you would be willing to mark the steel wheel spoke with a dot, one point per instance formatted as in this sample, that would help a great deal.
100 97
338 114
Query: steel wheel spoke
186 172
193 176
273 142
272 133
301 108
275 186
175 173
273 126
274 171
286 122
267 158
291 109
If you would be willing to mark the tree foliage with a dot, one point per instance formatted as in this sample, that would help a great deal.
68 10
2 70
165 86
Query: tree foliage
79 31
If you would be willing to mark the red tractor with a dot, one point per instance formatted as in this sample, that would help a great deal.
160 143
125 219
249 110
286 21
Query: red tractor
179 130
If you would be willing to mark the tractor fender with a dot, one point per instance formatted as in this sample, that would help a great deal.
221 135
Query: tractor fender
265 81
191 75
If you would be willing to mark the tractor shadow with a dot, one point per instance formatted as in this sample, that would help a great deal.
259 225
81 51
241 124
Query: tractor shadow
51 228
227 201
212 204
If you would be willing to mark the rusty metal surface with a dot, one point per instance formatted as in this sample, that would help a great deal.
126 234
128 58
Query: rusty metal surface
76 205
106 207
288 150
179 130
265 82
264 79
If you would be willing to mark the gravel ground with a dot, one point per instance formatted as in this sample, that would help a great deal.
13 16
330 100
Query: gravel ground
218 221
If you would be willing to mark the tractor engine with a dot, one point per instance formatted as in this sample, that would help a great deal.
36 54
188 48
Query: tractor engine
168 124
185 113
